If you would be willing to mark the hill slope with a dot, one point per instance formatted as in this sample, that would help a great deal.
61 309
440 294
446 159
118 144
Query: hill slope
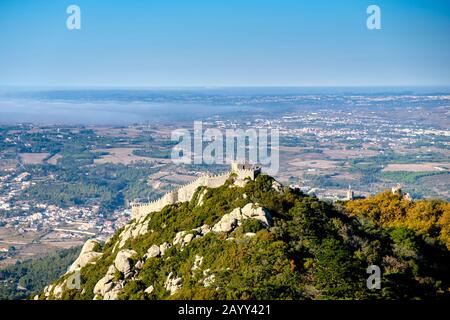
30 276
256 242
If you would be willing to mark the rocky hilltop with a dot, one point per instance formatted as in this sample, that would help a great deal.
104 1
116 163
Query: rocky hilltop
256 240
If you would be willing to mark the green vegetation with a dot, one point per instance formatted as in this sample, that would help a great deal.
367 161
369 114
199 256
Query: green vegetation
313 250
408 177
74 179
108 185
416 182
162 151
31 276
325 181
430 219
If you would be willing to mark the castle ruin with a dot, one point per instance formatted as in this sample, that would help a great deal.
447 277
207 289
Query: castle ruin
242 171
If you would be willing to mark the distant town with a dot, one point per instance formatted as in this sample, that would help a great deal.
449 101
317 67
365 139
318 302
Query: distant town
63 183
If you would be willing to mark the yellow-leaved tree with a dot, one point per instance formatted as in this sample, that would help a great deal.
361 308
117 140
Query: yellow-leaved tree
429 218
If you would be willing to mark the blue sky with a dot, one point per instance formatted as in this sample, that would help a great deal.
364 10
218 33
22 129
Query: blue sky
168 43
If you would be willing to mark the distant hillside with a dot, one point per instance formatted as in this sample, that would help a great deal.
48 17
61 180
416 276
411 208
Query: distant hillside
28 277
428 218
262 241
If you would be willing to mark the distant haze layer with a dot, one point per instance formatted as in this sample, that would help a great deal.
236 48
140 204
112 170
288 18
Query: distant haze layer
117 107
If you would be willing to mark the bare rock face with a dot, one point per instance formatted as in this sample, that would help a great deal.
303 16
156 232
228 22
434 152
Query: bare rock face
87 255
209 280
183 238
163 248
172 284
149 289
113 294
105 284
204 229
158 251
226 224
188 238
197 263
235 217
122 261
153 251
201 231
139 265
58 291
132 231
47 290
179 237
258 213
200 198
277 186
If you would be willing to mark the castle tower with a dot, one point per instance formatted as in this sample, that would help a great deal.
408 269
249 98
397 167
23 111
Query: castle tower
407 197
350 194
397 189
245 170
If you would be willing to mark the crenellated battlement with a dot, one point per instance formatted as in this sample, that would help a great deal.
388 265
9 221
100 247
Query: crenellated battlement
185 192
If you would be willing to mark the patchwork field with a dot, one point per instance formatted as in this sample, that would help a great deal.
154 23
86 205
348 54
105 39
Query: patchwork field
417 167
32 244
117 132
348 154
33 158
124 156
8 164
313 164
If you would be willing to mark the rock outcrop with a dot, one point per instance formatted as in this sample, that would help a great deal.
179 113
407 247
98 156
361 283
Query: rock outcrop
197 263
149 290
106 284
254 211
128 266
133 230
164 247
183 238
123 262
250 211
153 252
172 283
87 255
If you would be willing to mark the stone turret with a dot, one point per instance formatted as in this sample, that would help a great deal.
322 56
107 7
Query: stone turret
350 194
404 195
245 170
397 189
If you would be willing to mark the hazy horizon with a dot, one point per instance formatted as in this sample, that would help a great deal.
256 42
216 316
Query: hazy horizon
126 106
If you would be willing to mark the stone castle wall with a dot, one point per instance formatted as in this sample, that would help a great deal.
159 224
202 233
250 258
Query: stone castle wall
186 192
182 194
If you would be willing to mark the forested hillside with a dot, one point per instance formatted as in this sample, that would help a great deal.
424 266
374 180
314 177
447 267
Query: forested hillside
430 219
25 278
265 242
